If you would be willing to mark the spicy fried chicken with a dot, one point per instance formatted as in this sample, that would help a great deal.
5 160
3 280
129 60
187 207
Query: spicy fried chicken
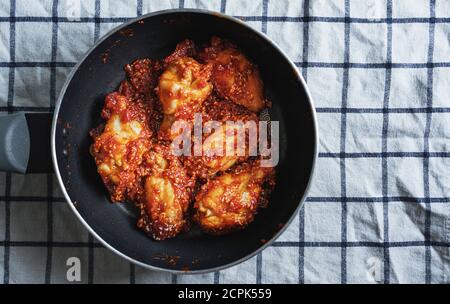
229 202
133 148
234 77
167 195
118 148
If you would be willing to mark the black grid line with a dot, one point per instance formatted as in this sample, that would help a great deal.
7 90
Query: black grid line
383 110
139 8
43 64
342 144
174 276
342 19
37 199
385 155
91 245
301 249
301 216
52 244
12 52
48 266
264 12
12 109
282 244
90 237
97 20
132 266
362 244
426 161
6 249
303 64
10 102
384 143
341 155
265 8
273 19
132 274
216 277
318 110
259 268
223 6
356 65
312 199
54 48
58 19
380 199
52 93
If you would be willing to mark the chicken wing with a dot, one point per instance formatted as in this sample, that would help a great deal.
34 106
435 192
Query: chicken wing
234 77
229 202
133 149
168 192
185 48
231 136
143 76
140 85
119 146
182 88
184 82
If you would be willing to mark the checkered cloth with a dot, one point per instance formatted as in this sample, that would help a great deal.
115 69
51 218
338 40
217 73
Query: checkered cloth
379 74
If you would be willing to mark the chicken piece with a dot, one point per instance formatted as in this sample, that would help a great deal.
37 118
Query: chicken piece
230 202
168 192
143 76
140 85
220 141
182 88
234 77
119 147
132 150
226 138
185 48
184 82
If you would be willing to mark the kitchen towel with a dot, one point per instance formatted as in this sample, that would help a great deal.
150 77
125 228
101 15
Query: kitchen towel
378 209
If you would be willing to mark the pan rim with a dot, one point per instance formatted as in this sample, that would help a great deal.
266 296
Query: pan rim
84 222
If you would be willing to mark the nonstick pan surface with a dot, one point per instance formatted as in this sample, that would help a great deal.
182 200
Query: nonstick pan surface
78 111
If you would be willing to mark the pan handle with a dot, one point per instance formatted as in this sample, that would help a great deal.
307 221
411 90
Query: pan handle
25 143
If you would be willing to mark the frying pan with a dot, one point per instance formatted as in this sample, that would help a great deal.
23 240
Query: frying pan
24 140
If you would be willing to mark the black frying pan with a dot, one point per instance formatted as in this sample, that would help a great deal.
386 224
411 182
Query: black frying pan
78 111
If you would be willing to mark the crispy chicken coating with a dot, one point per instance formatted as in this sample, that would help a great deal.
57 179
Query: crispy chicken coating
185 48
132 150
229 202
119 147
168 192
182 88
140 85
184 82
143 77
225 138
234 77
